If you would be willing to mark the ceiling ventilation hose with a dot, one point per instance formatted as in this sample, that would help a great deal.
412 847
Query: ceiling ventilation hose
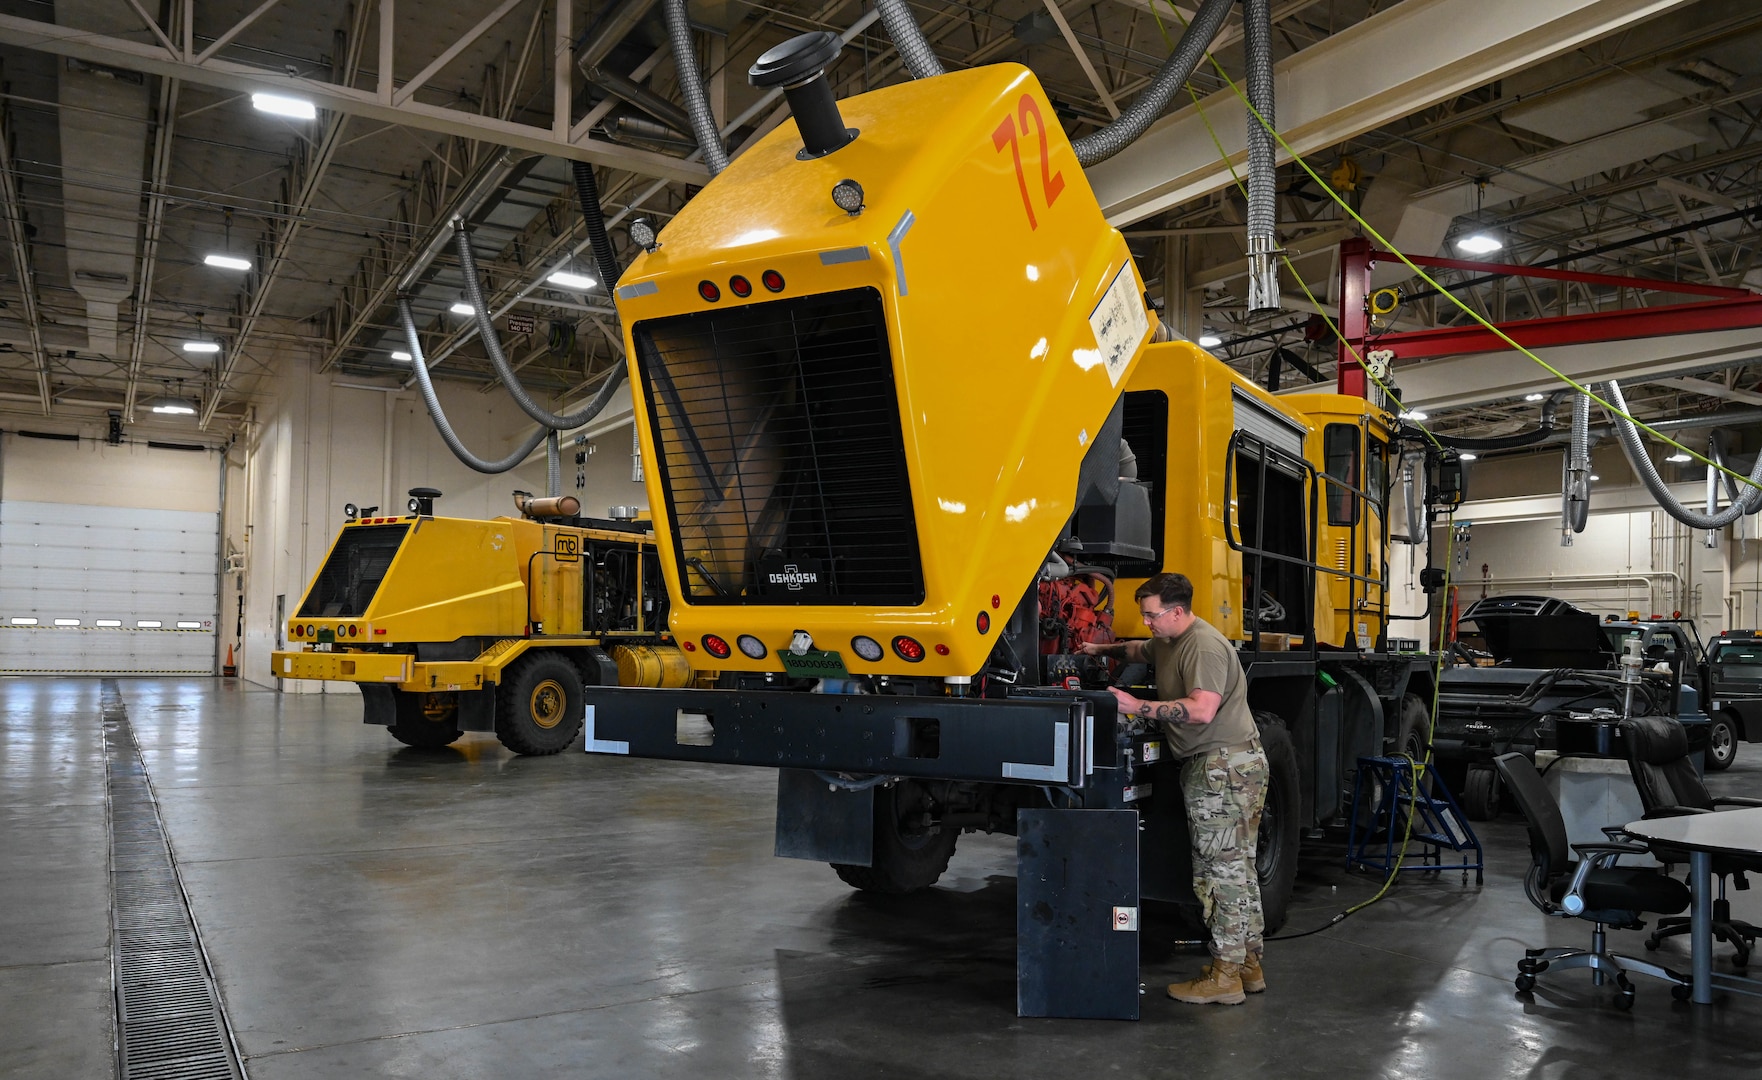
1575 491
440 418
908 39
1263 216
691 84
486 329
1543 431
553 466
587 193
1641 463
1100 145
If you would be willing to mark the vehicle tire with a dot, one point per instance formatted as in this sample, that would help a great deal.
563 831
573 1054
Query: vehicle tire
1413 731
539 707
425 721
1722 744
1480 794
1275 847
908 856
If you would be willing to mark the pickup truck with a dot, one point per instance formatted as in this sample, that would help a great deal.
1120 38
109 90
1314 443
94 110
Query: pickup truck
1734 693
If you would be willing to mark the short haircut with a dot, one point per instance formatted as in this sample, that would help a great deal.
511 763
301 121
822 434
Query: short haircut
1174 590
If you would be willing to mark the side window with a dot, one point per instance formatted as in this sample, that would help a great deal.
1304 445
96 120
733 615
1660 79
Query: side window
1376 470
1340 459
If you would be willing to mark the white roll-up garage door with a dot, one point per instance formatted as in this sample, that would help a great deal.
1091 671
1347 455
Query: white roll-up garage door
106 590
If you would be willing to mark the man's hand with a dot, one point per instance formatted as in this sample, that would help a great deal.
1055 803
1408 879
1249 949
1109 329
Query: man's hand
1092 648
1127 703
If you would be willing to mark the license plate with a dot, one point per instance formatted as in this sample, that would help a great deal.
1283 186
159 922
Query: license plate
814 664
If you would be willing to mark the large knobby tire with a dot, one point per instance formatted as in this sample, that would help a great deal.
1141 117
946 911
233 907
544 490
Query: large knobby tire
425 721
1722 743
908 856
539 707
1413 730
1275 847
1480 793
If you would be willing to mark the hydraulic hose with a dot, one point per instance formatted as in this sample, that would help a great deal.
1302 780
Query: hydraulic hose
908 39
1123 131
492 343
1641 463
691 84
1576 492
587 193
1543 431
440 418
1263 216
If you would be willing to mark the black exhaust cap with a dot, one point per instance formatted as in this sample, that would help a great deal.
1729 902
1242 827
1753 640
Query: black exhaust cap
799 66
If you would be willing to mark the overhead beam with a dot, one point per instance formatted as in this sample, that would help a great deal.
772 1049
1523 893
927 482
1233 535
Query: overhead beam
1393 64
228 75
1709 389
1479 378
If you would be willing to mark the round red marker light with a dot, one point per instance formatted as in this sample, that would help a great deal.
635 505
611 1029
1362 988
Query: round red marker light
689 647
298 632
942 650
996 601
773 280
352 630
740 286
984 622
716 647
907 649
708 290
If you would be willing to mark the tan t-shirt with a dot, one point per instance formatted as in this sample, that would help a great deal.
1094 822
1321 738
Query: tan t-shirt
1202 659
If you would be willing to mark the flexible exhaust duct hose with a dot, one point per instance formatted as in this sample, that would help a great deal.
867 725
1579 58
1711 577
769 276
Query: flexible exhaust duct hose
1263 214
553 466
486 329
908 39
1641 463
587 193
440 418
1542 432
1100 145
1576 492
691 84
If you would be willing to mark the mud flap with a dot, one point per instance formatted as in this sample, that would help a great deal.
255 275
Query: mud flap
379 705
477 709
1077 914
821 824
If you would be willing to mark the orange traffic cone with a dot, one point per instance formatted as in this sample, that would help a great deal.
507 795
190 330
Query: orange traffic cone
231 670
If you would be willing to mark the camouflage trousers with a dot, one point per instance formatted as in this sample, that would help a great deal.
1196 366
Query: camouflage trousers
1225 791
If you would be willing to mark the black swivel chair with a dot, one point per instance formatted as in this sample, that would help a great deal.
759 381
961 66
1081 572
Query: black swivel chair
1658 758
1593 889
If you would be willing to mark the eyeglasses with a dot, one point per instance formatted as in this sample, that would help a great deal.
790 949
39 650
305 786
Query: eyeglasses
1151 616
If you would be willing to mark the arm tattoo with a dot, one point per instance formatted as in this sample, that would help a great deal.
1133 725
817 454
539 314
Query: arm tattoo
1169 712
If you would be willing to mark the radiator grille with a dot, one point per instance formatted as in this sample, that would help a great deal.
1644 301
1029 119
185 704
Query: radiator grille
353 572
777 425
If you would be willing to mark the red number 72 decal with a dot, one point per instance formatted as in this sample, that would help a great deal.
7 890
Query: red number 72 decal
1051 183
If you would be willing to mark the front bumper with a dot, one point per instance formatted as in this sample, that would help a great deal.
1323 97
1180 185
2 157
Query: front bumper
360 667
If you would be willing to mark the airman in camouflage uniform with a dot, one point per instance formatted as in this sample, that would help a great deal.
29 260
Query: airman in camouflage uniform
1202 707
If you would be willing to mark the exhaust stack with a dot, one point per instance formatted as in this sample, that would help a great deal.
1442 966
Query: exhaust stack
799 66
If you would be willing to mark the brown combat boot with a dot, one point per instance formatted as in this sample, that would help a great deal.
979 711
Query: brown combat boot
1220 983
1253 979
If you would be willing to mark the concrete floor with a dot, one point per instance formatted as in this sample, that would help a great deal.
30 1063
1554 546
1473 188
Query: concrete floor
371 910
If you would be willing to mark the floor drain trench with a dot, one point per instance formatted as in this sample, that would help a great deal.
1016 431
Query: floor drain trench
169 1023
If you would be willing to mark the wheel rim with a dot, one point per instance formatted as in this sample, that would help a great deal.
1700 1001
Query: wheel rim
548 703
1720 740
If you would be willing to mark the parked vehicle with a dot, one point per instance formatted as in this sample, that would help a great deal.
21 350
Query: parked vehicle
1734 694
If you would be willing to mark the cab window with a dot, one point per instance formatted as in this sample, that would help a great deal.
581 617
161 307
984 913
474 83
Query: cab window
1376 470
1340 458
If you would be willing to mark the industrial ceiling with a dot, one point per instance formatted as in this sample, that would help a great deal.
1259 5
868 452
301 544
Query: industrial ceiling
1611 136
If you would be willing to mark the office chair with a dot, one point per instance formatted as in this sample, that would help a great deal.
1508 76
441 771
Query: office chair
1593 889
1658 758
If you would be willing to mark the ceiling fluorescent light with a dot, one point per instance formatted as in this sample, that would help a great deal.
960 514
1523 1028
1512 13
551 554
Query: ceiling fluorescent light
1679 457
1478 244
462 308
1466 456
579 282
202 346
227 262
1210 341
1534 397
278 105
174 407
1415 414
399 354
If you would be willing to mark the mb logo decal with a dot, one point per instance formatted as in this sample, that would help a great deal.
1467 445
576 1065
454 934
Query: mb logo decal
567 548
